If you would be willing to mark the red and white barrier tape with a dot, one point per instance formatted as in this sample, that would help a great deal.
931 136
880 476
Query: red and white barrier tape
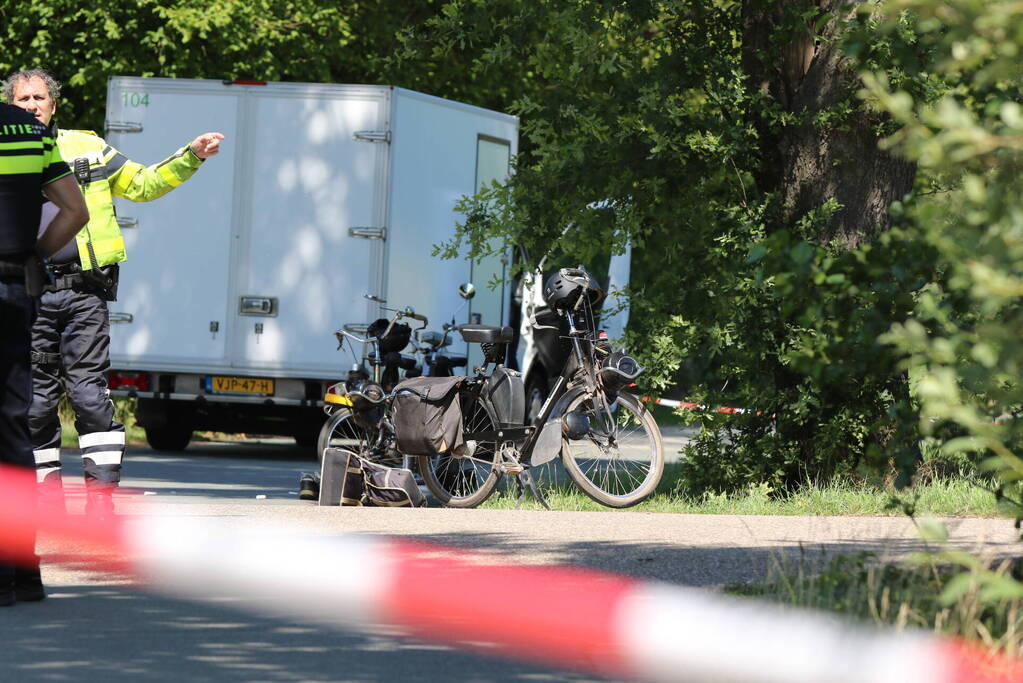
577 619
687 405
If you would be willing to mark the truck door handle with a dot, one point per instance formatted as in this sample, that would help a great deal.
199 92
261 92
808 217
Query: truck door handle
368 233
258 305
123 127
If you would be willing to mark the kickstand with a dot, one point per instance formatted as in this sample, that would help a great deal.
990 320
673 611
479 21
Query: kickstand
524 481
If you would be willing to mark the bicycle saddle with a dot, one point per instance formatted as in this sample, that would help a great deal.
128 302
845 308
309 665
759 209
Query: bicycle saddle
486 334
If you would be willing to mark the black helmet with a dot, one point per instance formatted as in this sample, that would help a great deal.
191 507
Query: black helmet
396 339
564 288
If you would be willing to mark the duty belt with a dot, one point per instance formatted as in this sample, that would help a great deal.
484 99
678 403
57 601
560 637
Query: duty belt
65 276
10 270
71 276
65 282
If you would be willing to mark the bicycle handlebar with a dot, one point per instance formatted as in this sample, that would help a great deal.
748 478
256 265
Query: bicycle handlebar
410 313
341 334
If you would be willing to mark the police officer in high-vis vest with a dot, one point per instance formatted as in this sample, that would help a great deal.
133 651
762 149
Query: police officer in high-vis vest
29 167
70 339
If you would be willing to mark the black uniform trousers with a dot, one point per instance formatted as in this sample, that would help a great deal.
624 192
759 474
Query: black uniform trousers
71 340
16 313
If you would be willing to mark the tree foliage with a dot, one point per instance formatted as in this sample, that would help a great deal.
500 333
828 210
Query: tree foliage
84 44
693 120
748 149
965 340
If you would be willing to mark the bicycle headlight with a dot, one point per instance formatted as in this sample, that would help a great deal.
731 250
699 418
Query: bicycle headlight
618 371
366 393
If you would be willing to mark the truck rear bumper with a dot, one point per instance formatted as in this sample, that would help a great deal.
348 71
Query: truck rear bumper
198 388
217 398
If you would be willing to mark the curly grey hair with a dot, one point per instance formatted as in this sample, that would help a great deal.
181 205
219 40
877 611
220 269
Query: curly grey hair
51 83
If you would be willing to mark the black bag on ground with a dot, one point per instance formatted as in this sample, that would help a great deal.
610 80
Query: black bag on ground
347 479
391 487
427 416
342 480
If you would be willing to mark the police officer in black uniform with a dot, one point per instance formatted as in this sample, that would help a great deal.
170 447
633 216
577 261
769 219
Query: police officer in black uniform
29 162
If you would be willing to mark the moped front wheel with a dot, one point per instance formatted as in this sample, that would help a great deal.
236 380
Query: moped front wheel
343 429
465 481
618 462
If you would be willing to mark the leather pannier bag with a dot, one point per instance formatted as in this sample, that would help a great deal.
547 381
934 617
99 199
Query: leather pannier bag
391 487
342 480
427 416
347 479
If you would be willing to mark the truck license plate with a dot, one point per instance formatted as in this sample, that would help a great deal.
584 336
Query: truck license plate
240 385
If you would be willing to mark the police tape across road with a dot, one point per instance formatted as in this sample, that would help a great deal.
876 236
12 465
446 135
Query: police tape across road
576 619
688 405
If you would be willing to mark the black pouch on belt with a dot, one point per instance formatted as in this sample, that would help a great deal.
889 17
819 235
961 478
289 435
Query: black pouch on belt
36 277
102 278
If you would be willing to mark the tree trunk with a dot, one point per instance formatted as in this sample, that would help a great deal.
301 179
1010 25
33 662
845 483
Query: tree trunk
824 154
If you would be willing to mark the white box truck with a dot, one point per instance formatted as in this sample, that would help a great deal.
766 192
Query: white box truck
321 194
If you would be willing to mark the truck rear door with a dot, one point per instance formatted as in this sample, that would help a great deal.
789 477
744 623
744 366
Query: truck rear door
173 304
315 160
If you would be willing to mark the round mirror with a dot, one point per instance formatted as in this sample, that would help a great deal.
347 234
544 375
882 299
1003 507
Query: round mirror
467 290
374 297
409 311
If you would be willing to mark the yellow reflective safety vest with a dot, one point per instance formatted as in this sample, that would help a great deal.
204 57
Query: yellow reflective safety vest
111 174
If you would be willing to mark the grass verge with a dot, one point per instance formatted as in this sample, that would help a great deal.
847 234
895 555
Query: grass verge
944 497
124 412
949 593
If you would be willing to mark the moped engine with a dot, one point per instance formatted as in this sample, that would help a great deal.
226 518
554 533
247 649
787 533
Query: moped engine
575 425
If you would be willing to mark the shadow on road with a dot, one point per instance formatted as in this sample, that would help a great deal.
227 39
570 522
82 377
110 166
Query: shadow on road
269 448
227 470
104 633
702 567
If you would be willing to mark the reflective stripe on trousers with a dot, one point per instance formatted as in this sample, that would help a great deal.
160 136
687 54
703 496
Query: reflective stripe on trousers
102 448
102 453
47 463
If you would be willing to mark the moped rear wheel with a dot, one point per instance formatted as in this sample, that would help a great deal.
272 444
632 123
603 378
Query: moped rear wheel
619 461
468 480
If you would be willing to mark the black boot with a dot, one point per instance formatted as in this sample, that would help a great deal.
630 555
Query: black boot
51 494
99 500
7 597
28 585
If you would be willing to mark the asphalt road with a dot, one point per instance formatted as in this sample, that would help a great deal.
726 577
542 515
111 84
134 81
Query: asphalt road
95 627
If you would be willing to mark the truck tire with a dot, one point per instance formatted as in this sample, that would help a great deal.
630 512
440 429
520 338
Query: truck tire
173 437
306 439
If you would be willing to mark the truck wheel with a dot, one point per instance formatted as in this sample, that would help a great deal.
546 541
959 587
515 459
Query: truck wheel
306 439
173 437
